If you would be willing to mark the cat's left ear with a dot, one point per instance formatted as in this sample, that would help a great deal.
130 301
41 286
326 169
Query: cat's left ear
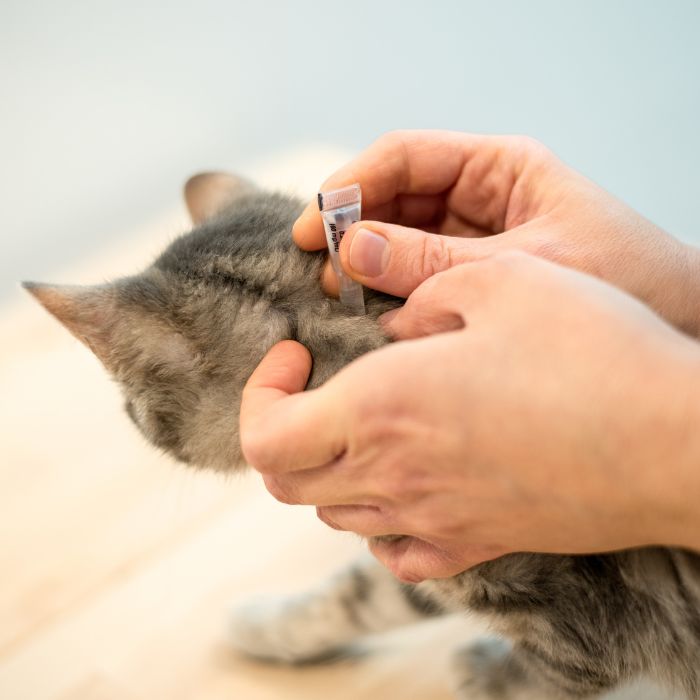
207 194
89 313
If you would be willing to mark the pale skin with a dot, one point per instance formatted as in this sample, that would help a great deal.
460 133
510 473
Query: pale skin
527 406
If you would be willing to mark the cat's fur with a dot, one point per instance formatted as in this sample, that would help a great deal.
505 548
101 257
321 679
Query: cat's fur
183 337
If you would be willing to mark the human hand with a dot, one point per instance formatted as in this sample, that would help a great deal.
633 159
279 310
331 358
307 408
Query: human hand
468 188
528 408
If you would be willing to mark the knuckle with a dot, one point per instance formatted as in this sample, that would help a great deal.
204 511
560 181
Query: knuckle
390 484
453 280
397 470
391 557
400 481
529 143
391 139
324 515
377 406
409 575
530 146
436 304
405 572
281 490
386 436
393 148
253 448
435 256
429 290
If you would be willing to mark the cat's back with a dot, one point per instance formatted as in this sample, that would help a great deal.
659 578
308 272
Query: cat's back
248 245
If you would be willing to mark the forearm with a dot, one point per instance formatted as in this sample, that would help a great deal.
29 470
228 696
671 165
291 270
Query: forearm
600 235
661 271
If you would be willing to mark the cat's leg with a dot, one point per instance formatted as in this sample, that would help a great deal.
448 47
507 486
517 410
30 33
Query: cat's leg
494 669
362 599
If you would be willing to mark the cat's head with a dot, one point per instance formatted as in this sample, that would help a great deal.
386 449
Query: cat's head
182 337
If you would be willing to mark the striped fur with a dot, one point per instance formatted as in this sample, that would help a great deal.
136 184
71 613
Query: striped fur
182 338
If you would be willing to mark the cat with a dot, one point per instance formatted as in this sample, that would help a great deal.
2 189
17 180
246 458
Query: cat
182 338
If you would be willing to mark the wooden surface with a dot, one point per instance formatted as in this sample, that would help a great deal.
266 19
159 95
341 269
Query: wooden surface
117 566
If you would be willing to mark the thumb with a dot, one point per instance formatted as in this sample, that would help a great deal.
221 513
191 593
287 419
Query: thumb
396 259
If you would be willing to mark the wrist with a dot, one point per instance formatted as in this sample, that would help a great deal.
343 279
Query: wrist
669 458
675 281
690 304
664 273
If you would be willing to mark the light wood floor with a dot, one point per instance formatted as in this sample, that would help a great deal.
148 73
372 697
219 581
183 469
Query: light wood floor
117 566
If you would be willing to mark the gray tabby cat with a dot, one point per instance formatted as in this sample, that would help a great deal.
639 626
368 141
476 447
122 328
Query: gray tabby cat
182 338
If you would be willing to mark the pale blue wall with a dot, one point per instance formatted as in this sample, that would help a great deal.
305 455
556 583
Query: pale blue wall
106 106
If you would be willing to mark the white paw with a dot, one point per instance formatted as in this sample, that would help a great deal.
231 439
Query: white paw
253 630
287 630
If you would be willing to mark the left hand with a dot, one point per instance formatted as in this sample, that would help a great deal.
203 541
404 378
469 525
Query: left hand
528 409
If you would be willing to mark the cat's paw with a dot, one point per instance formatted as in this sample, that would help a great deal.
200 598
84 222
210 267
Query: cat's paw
284 630
487 670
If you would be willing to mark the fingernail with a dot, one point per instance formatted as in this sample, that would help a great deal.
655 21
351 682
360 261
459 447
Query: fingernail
369 253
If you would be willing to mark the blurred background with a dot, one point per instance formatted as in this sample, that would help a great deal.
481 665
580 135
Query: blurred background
107 107
117 566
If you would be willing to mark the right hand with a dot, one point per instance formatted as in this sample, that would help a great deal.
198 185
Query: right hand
527 408
480 195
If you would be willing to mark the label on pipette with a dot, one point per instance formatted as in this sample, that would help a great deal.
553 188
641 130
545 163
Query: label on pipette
339 210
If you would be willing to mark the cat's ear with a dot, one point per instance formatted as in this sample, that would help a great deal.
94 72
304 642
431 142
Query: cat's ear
207 194
89 313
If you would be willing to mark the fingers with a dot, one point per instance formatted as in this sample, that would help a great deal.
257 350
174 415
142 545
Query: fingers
396 260
400 163
438 306
367 521
413 560
333 484
458 297
329 280
284 370
413 177
282 429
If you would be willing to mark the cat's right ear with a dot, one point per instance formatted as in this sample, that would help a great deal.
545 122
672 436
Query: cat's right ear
207 194
89 313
